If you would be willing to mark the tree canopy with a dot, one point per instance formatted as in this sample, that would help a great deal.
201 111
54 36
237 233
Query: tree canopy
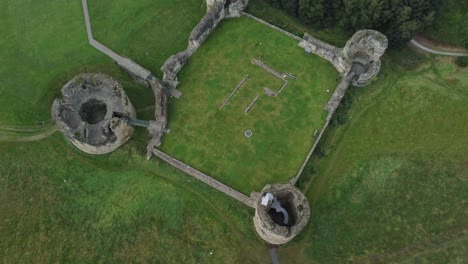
399 20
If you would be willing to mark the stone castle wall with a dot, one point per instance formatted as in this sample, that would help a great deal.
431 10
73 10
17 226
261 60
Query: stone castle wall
217 11
326 51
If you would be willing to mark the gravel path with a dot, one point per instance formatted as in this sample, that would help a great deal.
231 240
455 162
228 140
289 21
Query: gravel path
445 53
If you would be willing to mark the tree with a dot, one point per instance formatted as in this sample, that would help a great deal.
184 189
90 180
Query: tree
315 12
462 61
400 20
360 14
290 6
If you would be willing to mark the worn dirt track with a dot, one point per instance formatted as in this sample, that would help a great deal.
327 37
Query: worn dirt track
26 134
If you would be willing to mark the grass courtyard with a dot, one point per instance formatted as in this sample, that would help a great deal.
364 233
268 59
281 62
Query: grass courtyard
212 139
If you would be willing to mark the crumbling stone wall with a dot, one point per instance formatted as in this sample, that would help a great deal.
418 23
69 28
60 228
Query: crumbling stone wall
358 62
157 127
363 49
326 51
205 178
87 95
299 208
217 11
366 47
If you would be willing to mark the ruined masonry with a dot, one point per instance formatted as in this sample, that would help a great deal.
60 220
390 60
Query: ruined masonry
89 114
97 117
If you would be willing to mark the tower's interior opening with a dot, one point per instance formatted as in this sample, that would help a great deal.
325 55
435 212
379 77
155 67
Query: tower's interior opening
358 68
286 201
93 111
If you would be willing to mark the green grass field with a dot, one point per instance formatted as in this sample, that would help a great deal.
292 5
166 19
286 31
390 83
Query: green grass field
147 31
213 141
392 186
390 189
66 206
43 46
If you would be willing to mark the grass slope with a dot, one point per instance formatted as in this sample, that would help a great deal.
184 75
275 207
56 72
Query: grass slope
70 207
146 31
392 186
43 46
213 140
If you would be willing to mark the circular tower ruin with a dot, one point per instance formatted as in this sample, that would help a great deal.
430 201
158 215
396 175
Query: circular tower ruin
282 212
362 52
93 113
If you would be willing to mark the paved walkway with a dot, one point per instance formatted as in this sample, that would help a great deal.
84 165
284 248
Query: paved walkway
205 178
444 53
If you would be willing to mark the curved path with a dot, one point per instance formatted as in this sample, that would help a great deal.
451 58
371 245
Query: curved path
25 134
445 53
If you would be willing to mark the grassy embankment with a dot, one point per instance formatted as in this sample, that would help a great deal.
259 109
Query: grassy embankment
147 31
392 185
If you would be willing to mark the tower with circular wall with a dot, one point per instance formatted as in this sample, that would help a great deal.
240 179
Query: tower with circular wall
362 53
281 213
93 113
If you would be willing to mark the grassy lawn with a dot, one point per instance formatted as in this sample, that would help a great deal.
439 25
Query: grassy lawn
447 26
392 186
70 207
43 45
146 31
213 140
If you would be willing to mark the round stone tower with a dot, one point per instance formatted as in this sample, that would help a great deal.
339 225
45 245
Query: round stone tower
93 113
362 52
282 212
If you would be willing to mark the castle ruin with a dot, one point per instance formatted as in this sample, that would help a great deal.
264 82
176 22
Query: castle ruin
91 112
97 117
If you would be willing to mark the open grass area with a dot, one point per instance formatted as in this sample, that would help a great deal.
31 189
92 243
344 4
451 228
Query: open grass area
70 207
212 139
392 185
146 31
44 45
